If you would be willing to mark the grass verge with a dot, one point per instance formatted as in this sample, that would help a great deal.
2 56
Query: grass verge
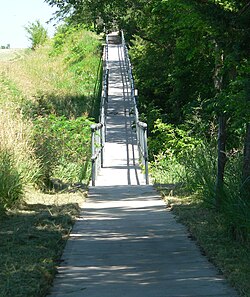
32 238
209 229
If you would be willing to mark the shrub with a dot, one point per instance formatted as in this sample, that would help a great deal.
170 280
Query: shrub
168 138
166 169
63 146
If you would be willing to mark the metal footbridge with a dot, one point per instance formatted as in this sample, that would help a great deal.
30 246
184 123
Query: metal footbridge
119 140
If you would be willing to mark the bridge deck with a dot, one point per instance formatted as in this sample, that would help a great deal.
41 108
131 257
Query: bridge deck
125 243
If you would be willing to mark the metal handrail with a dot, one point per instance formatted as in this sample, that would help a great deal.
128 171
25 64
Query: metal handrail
141 127
98 131
97 149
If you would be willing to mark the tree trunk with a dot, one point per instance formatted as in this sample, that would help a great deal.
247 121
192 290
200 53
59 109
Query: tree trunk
246 166
221 162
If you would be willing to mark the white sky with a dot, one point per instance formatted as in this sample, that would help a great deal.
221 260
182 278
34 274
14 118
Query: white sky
16 14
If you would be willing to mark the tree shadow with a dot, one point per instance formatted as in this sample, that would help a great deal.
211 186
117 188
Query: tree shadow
68 105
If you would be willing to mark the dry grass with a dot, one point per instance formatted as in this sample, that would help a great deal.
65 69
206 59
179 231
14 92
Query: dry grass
7 55
40 74
33 73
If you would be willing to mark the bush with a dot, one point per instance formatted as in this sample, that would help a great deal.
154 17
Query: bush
11 189
63 147
166 169
166 138
168 148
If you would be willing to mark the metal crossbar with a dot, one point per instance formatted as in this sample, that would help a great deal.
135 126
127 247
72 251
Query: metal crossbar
141 127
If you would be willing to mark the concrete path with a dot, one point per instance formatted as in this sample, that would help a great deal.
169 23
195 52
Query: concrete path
125 242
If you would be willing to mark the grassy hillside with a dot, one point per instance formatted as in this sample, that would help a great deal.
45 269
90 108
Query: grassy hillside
48 99
53 88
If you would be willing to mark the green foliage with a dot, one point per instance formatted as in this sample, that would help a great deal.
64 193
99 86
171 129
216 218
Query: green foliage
235 208
37 34
11 186
62 146
200 172
168 139
169 147
166 169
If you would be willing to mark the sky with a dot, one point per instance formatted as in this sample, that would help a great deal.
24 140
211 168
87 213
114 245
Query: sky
16 14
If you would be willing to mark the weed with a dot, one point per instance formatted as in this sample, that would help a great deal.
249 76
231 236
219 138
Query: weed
165 169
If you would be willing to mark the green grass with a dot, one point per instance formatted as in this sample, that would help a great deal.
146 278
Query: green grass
32 239
210 230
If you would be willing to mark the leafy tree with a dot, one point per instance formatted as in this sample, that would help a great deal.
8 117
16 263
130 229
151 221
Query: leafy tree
37 34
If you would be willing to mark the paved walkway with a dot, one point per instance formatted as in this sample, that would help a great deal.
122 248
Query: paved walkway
125 243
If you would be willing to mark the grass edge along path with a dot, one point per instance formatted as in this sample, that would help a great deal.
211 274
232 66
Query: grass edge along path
208 229
32 239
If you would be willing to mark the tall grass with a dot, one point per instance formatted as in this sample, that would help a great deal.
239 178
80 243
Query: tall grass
18 165
10 181
200 172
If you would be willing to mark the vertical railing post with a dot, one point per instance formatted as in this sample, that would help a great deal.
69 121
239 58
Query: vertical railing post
102 145
93 169
145 150
143 147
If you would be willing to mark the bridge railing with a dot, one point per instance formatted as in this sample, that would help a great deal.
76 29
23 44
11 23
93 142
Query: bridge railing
141 127
98 131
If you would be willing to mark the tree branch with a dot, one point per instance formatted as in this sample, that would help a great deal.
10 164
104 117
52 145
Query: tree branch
244 9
